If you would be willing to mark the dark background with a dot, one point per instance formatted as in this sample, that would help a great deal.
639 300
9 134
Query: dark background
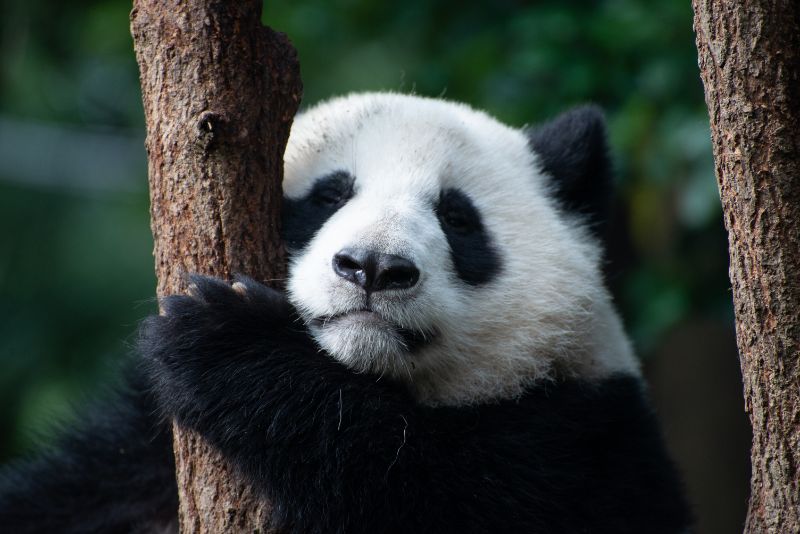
76 271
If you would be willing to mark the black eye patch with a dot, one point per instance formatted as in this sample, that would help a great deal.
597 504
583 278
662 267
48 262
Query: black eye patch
301 218
475 257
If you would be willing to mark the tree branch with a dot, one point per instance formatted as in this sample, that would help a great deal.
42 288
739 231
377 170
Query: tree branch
749 56
219 91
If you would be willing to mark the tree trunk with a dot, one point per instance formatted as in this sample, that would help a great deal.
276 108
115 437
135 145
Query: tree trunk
749 55
219 92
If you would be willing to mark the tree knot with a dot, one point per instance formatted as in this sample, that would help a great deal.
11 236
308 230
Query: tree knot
212 127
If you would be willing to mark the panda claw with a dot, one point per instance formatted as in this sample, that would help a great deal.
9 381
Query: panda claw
240 289
214 291
246 285
194 291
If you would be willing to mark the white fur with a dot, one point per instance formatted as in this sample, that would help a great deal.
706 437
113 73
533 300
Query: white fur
546 313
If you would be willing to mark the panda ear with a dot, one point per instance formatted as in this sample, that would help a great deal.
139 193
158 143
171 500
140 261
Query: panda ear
572 148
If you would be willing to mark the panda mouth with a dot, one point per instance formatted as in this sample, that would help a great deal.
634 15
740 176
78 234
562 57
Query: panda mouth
412 339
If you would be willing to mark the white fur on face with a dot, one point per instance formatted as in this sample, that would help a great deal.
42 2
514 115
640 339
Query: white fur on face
546 311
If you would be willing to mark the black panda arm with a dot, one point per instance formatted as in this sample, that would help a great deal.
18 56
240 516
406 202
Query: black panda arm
316 438
343 452
112 471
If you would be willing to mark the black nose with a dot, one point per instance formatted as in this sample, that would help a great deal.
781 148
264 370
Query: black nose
374 271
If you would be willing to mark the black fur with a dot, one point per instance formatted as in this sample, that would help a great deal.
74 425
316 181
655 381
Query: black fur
574 150
340 452
474 257
114 474
345 452
303 217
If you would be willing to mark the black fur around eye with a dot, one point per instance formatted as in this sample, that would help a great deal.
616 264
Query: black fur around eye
457 221
328 197
304 216
457 212
333 191
474 254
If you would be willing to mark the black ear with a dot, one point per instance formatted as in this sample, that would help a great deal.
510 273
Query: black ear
572 148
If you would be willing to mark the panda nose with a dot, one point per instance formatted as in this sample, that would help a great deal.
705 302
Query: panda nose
374 271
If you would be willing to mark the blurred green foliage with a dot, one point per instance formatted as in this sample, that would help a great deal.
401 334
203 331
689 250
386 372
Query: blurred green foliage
75 260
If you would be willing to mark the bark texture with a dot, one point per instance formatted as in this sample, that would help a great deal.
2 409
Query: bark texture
220 91
749 56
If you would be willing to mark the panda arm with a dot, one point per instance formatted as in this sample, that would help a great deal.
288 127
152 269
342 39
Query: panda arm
334 450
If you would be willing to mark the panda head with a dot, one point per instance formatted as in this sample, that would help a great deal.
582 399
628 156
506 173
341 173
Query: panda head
434 245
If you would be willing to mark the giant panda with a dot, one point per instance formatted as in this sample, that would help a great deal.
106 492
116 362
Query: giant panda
445 356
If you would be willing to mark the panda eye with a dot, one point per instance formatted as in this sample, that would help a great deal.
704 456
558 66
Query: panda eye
328 197
456 220
456 212
333 190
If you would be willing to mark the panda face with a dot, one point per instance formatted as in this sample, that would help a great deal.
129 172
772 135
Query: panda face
427 246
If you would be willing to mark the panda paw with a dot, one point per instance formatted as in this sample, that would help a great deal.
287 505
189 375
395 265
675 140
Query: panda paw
213 341
244 295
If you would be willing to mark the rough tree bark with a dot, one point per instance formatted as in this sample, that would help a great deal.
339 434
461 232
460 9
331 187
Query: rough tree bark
220 91
749 56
